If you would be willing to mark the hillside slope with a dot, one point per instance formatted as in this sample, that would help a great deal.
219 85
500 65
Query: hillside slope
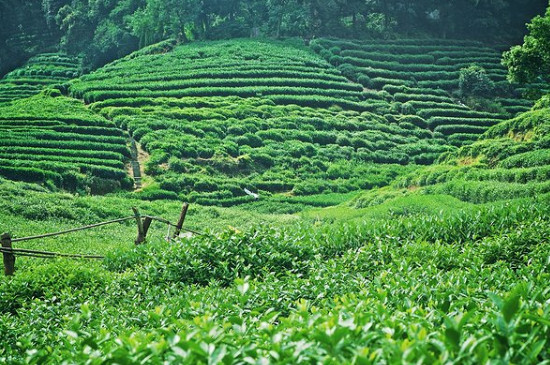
40 72
443 265
222 118
421 78
512 160
57 141
268 116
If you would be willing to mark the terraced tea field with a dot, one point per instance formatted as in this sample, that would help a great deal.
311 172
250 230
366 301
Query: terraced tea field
372 201
268 116
41 71
421 77
512 161
220 118
56 141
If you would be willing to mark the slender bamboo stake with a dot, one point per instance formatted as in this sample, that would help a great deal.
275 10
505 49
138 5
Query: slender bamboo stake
9 258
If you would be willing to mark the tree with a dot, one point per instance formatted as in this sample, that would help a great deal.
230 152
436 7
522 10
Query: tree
162 19
288 17
530 63
474 82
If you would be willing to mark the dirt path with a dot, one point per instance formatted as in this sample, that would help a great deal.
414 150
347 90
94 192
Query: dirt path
136 166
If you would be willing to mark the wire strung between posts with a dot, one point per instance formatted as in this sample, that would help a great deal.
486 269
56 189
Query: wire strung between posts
162 220
72 230
58 256
195 232
50 255
46 254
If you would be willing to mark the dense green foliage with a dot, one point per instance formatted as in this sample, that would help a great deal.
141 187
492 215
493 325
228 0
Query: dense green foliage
474 81
403 213
511 161
530 62
409 285
40 72
438 83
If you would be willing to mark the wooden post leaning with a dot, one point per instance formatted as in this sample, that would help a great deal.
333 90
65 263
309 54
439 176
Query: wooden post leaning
181 220
141 232
146 224
9 258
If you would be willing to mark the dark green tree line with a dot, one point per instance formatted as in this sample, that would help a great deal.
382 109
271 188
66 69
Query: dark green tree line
107 29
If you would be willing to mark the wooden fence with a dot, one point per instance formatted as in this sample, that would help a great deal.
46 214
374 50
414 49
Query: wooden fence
143 223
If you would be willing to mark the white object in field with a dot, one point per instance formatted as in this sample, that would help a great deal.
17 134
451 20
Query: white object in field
254 195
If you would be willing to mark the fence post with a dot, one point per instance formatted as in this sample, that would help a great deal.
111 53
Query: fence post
9 258
141 233
146 224
179 225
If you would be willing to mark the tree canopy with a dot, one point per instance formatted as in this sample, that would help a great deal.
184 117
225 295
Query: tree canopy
530 62
107 29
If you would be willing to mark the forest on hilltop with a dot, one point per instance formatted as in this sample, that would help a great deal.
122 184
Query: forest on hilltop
104 30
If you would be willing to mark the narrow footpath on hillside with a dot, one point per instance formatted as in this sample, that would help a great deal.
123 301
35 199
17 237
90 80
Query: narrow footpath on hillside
139 157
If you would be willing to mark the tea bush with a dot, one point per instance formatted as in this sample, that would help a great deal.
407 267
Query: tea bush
380 289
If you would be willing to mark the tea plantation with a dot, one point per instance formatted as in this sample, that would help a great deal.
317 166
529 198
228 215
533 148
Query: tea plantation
218 118
421 78
41 71
510 162
56 141
413 284
400 217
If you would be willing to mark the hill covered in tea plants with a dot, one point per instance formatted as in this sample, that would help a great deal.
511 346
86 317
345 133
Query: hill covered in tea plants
273 117
40 72
56 141
509 162
423 78
302 126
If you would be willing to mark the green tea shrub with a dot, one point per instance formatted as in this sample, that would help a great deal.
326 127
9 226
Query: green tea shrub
157 194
